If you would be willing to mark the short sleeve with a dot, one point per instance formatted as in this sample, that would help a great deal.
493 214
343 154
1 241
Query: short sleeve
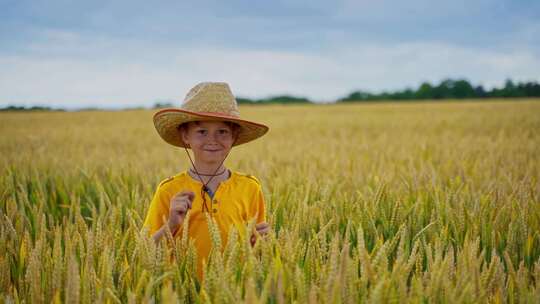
158 211
259 208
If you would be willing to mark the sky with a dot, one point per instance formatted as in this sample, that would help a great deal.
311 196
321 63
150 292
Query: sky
115 54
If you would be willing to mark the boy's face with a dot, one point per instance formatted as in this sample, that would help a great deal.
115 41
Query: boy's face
210 141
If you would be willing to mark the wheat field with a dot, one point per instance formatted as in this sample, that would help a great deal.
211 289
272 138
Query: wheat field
434 202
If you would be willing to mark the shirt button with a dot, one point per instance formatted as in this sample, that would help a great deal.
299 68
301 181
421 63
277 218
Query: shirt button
215 210
215 201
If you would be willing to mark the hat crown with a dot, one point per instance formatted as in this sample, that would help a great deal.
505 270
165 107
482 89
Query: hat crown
211 97
207 101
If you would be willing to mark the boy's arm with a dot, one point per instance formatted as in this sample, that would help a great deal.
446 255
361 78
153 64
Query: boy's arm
257 206
157 212
262 227
260 206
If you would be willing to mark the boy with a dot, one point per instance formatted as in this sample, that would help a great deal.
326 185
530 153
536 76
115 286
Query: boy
209 124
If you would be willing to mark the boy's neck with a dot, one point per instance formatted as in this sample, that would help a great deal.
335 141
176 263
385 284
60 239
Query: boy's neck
208 168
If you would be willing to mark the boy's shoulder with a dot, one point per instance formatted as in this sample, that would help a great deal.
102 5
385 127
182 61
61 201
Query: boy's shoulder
178 178
248 178
165 181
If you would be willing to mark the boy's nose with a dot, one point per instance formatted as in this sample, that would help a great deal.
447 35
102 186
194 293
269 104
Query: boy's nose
214 136
211 139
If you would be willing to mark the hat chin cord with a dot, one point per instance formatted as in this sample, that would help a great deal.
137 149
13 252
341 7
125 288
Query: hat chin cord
204 187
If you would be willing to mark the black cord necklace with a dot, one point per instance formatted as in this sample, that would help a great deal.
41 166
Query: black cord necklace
205 188
191 170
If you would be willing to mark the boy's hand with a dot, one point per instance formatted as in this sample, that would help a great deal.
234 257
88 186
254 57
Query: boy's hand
262 228
180 204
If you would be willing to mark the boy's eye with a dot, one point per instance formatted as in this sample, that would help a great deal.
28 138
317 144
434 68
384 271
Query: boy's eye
202 132
223 131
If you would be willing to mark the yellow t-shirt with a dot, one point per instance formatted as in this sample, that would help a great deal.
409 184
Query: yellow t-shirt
236 201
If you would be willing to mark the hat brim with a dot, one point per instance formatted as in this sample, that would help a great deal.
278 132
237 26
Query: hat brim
167 121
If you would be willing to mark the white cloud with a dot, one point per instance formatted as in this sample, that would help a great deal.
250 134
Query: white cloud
74 72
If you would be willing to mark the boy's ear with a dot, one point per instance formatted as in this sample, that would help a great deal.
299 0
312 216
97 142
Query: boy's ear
236 132
183 133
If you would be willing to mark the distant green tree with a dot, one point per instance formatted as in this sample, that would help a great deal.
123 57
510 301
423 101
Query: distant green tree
463 89
450 88
241 100
444 90
479 92
159 105
425 91
529 89
33 108
356 96
285 99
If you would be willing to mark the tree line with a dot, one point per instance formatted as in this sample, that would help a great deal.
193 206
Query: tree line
451 89
446 89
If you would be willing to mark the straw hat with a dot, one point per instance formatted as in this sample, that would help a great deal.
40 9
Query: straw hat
207 101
